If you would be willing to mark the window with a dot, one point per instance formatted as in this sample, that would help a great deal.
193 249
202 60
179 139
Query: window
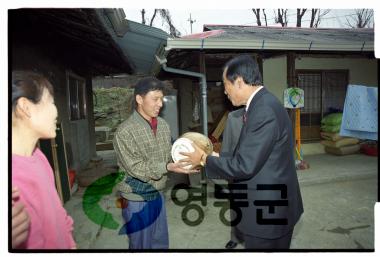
76 87
324 93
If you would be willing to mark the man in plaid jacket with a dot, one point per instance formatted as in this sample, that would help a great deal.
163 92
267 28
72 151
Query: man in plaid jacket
143 144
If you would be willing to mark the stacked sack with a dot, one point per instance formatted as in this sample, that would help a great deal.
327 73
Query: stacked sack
333 142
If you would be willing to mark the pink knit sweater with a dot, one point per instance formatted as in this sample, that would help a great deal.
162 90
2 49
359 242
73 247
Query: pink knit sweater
50 226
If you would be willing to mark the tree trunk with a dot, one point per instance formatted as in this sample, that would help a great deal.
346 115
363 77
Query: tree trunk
313 13
265 17
300 14
257 14
281 17
143 16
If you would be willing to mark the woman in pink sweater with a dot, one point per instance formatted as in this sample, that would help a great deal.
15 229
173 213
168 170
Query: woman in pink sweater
34 116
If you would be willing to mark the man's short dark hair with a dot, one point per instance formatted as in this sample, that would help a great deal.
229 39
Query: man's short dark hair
145 85
243 66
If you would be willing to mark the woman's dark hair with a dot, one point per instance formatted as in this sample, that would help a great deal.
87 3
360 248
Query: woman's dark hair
243 66
30 85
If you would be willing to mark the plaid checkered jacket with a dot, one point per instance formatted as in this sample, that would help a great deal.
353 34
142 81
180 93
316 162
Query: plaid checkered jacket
142 156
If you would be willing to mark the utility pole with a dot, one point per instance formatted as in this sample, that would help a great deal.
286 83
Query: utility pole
191 24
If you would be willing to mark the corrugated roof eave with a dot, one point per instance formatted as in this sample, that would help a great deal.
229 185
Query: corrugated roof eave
218 43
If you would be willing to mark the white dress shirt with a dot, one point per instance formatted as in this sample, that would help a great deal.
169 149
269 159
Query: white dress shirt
251 97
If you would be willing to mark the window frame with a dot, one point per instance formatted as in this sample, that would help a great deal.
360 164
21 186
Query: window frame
322 74
80 85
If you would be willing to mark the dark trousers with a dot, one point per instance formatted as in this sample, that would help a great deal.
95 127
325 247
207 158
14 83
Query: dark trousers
153 236
236 236
251 242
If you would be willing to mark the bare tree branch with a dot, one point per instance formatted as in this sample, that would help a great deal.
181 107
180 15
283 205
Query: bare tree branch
281 17
154 16
257 14
363 18
285 15
300 14
265 18
313 15
165 15
320 16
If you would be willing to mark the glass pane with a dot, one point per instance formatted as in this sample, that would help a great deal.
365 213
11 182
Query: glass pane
81 100
311 113
77 98
334 91
73 101
311 84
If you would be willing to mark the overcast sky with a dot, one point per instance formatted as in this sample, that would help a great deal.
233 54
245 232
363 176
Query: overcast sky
336 18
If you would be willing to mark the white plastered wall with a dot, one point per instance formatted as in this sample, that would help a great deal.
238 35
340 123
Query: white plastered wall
274 76
362 71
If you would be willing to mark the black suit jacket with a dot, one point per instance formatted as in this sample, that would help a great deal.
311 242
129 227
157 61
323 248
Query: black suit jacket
263 158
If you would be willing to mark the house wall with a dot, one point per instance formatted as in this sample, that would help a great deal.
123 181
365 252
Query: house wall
185 104
275 77
362 71
78 154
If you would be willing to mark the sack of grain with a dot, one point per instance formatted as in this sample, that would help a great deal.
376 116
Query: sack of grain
345 150
331 136
340 143
330 128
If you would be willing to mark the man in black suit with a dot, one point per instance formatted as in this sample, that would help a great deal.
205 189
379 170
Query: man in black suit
231 136
262 163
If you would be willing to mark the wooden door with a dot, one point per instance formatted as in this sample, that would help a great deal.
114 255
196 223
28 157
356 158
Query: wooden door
55 151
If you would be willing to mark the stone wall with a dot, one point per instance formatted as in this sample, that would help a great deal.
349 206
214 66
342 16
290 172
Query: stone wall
112 106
